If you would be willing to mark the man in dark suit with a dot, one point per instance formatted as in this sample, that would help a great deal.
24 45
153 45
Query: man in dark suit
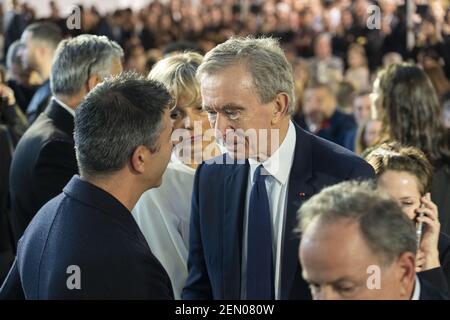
357 244
85 243
244 203
44 160
323 118
39 41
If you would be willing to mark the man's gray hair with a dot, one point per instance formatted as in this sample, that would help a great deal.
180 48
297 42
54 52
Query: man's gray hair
264 59
78 58
386 229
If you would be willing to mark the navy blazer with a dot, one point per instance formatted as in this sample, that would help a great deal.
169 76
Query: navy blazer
85 227
440 277
218 205
39 101
429 292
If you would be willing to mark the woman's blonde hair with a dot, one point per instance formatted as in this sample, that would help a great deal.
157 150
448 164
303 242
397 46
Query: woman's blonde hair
177 73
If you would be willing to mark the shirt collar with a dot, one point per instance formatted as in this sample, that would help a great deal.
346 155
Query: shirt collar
65 106
416 293
279 163
93 196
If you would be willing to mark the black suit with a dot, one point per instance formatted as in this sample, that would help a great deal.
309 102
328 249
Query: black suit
429 292
440 277
218 206
43 163
6 151
336 129
88 228
440 194
39 101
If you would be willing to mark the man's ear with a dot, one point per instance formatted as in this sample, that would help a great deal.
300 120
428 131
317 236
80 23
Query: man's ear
93 81
139 157
406 273
280 107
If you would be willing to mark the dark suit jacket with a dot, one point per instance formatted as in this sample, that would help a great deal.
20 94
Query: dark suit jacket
336 129
39 101
86 227
218 205
429 292
43 163
350 139
440 277
440 194
6 151
23 94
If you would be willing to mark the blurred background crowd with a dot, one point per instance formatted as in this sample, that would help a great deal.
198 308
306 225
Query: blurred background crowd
328 43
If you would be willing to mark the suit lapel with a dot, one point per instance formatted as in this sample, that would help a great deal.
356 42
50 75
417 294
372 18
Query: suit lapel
61 118
299 190
234 205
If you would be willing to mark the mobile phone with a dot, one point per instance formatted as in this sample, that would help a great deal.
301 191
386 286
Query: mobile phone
419 228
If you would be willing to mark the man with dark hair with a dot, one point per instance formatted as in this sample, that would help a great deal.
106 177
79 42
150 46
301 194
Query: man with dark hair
357 244
85 243
44 160
39 42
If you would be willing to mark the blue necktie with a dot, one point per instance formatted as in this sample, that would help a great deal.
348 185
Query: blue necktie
260 284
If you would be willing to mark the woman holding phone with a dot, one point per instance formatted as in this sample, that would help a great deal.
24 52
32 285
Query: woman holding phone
406 174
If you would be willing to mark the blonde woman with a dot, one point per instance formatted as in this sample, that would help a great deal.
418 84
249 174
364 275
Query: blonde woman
163 213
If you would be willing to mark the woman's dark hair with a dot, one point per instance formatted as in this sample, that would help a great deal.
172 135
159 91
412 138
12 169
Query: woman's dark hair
411 113
393 156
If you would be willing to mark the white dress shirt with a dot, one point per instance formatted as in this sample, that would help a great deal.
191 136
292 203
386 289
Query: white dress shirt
65 106
163 216
278 167
416 293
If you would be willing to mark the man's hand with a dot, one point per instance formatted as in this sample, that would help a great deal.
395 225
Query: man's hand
428 254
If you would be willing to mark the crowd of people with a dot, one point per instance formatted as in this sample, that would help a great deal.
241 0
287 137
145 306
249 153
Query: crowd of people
226 150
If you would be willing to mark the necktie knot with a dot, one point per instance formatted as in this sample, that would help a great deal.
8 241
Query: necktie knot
260 174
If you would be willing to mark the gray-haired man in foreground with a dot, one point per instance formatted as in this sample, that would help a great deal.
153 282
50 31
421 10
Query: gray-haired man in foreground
357 244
